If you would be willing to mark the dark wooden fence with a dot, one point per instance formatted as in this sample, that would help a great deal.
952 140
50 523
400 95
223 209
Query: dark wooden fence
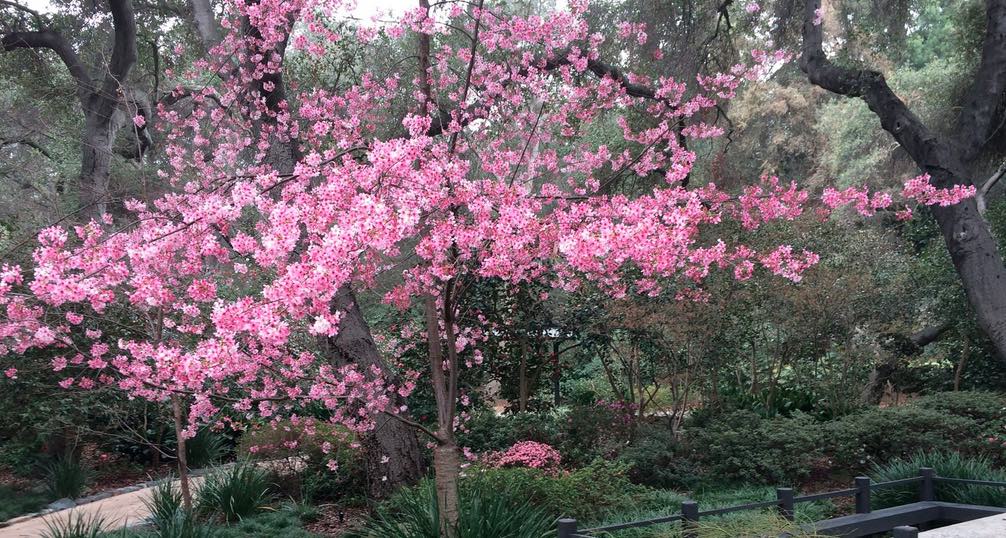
896 520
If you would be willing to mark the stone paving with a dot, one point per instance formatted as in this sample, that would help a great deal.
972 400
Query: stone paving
986 527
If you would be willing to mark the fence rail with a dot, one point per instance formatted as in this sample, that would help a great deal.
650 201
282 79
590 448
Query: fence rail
785 502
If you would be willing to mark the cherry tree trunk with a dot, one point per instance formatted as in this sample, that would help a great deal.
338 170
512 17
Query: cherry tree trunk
183 464
447 469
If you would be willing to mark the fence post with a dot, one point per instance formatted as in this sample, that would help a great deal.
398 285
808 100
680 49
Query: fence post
689 517
862 495
567 528
786 504
927 489
905 532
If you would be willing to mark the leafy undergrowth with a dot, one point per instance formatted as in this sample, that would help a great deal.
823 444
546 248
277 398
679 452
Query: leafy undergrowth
748 523
14 502
279 523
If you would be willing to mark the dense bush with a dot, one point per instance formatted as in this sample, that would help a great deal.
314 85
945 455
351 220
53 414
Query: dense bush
878 435
16 501
948 464
587 494
743 446
597 430
486 510
298 458
659 460
204 449
581 433
489 432
977 405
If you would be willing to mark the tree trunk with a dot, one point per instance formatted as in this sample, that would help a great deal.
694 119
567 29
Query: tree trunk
96 158
183 465
390 438
522 381
447 469
972 248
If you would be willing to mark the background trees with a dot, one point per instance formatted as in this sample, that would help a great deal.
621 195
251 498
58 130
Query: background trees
465 198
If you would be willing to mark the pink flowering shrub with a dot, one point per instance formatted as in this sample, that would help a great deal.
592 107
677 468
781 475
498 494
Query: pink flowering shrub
527 454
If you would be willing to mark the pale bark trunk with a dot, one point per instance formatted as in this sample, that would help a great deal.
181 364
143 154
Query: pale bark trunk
183 466
447 469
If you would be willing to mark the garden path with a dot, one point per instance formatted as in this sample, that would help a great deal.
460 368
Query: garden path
117 511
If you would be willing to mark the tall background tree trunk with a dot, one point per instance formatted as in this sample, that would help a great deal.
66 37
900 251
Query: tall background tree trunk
391 438
973 249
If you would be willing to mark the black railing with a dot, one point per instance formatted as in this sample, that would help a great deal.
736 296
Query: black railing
785 503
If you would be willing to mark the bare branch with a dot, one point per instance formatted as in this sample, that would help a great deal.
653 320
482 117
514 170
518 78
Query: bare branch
48 39
987 186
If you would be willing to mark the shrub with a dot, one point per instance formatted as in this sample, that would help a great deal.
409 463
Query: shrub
17 501
205 449
66 477
598 430
486 510
489 432
75 525
281 523
948 464
527 454
296 454
977 405
743 446
234 493
587 494
879 435
657 459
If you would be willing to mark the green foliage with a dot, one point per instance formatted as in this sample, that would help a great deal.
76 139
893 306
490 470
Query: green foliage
947 464
591 492
487 431
183 525
581 433
234 492
977 405
165 503
66 476
302 472
205 449
14 502
879 435
20 457
279 523
747 523
658 459
76 524
486 511
743 446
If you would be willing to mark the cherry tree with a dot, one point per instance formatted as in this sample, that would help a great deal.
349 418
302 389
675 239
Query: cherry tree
277 207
